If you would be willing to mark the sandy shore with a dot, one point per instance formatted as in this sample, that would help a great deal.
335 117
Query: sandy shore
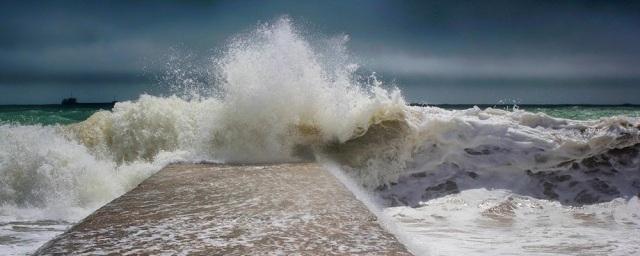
232 210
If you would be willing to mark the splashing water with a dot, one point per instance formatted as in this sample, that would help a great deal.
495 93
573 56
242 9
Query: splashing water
470 175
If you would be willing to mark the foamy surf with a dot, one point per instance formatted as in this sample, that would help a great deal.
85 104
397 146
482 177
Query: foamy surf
280 98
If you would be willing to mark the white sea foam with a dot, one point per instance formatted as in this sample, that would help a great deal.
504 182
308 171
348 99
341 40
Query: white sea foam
278 98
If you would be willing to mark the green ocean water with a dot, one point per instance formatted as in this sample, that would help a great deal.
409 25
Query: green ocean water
576 112
46 114
56 114
587 113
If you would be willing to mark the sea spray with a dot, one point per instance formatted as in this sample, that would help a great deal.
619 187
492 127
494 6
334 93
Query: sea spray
274 95
42 168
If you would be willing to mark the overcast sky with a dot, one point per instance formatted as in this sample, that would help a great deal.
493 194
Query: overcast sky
437 51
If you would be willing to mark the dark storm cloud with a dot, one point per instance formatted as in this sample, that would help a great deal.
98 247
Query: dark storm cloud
91 36
517 38
88 42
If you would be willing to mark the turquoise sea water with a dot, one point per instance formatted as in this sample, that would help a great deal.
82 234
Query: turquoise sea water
576 112
56 114
47 114
585 113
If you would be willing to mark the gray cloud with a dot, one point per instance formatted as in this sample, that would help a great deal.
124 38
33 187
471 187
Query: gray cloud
526 67
86 41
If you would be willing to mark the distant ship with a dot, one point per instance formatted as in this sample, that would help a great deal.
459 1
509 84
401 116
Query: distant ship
69 101
73 102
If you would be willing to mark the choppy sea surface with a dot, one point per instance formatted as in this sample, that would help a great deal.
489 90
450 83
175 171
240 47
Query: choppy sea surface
46 114
446 180
57 114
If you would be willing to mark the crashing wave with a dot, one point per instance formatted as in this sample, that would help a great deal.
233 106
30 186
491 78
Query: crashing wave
277 99
444 152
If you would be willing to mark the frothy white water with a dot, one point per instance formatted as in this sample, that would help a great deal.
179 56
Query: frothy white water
48 181
486 141
499 222
275 99
499 182
279 98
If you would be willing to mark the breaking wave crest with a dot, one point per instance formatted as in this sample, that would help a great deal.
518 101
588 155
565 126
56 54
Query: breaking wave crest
278 99
275 99
438 152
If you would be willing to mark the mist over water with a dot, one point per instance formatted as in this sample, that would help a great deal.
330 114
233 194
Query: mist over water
272 95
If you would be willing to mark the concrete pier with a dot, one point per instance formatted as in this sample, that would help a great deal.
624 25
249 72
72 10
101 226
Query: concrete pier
206 209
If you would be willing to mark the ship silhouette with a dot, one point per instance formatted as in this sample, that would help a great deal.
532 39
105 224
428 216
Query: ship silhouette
73 102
